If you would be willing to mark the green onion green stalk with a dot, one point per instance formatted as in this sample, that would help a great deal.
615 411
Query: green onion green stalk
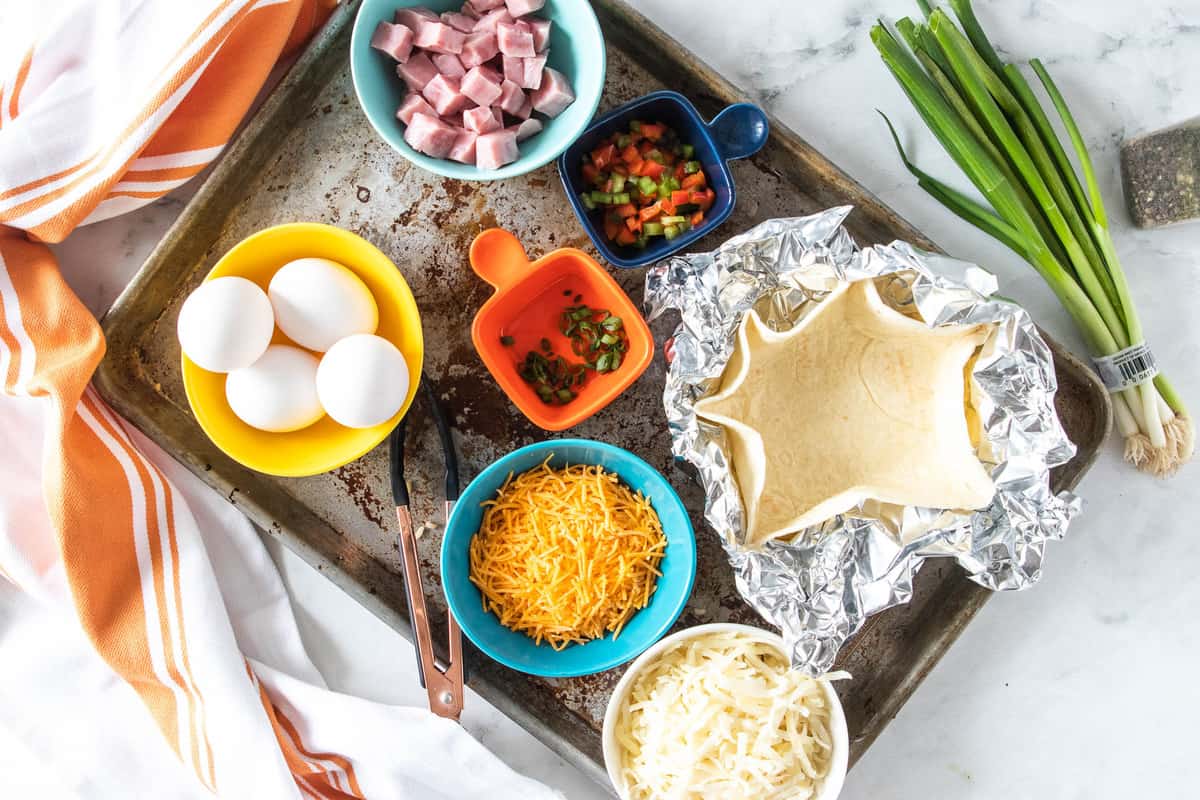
986 116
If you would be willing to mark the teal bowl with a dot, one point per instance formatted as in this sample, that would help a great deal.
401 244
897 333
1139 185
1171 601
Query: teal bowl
647 626
576 50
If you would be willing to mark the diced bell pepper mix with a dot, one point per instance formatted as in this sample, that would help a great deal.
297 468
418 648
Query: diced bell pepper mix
645 183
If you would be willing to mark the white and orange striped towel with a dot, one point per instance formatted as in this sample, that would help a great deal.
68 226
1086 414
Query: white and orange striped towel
103 538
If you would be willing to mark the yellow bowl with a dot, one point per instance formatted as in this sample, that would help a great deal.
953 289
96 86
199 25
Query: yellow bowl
324 445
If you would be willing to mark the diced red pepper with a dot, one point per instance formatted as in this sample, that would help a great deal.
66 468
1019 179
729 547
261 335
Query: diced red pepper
697 218
608 186
611 226
633 223
635 167
694 180
630 154
651 211
621 169
652 169
626 236
667 207
590 173
680 197
679 173
626 210
604 155
653 130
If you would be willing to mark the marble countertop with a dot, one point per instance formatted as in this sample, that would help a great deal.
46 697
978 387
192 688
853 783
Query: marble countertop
1081 687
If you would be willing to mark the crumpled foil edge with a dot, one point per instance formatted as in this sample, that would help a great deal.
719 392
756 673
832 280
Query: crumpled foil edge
820 585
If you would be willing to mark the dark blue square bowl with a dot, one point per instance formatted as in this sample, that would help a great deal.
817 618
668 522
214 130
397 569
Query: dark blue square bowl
740 130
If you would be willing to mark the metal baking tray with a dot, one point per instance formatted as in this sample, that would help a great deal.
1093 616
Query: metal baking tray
309 154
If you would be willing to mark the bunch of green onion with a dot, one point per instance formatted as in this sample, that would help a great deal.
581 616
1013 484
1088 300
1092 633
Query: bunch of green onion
986 116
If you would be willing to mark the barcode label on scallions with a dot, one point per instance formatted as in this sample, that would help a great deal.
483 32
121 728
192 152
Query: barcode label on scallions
1127 367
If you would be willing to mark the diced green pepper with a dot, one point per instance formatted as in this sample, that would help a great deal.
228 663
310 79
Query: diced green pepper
623 141
672 220
635 126
670 231
618 181
688 150
691 167
652 228
647 185
602 198
587 201
620 198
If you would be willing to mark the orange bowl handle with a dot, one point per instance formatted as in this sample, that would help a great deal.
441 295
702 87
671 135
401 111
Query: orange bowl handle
498 257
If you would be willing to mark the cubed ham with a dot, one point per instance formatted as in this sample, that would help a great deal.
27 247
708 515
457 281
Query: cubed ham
526 109
469 10
417 71
440 38
526 129
511 97
491 73
395 40
479 86
431 136
460 22
494 150
445 95
464 147
491 19
486 5
410 17
554 95
449 65
519 8
512 40
414 103
541 33
531 74
480 120
514 69
478 48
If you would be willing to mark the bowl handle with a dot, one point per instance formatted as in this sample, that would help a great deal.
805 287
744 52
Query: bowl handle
498 257
740 130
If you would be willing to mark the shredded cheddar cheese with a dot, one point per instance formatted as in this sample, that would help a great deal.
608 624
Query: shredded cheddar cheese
566 555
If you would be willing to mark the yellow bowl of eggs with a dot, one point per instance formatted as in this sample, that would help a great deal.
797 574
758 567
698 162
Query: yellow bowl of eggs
302 349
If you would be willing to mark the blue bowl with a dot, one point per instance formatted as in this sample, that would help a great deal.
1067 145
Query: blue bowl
739 131
576 50
646 627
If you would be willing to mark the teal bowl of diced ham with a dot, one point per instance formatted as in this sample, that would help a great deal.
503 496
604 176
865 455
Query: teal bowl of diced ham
478 90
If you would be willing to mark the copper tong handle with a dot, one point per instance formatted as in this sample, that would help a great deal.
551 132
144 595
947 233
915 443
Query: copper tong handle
444 686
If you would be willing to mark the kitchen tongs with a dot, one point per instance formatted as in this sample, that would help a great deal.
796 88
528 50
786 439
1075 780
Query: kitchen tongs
443 684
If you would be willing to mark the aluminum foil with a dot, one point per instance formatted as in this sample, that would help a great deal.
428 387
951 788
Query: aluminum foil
820 584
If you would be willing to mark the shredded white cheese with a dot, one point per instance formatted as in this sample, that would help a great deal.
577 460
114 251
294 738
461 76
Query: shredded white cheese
721 717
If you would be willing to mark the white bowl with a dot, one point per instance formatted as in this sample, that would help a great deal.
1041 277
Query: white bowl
830 788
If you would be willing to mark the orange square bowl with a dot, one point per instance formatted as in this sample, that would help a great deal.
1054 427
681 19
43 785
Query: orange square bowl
527 305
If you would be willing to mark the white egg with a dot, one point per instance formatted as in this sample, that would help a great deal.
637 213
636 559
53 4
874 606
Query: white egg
225 324
318 301
362 381
277 393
